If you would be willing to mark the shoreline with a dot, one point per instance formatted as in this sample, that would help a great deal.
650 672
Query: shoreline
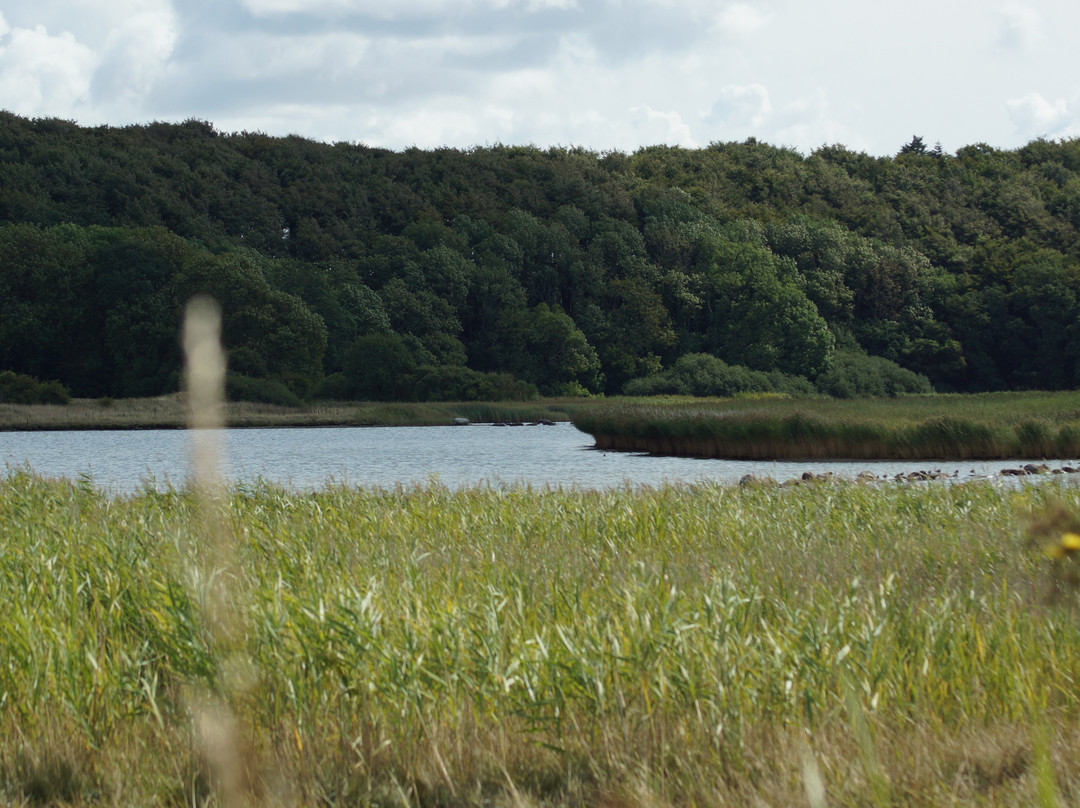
170 412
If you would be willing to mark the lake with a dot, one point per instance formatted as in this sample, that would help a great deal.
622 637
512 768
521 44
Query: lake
479 454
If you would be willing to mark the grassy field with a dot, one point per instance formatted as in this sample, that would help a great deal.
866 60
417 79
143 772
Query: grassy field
170 412
935 427
832 644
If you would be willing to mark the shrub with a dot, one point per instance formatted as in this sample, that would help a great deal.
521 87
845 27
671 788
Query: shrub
457 383
248 362
18 388
239 387
855 375
504 387
335 387
706 375
379 367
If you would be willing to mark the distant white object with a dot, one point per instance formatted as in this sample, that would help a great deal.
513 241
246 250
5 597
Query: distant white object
461 421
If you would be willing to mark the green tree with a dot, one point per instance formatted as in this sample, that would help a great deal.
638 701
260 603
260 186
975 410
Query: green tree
916 146
378 368
555 355
756 315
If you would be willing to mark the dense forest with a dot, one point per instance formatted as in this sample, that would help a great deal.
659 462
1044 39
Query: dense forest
346 271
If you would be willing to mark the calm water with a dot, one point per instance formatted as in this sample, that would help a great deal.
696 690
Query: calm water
479 454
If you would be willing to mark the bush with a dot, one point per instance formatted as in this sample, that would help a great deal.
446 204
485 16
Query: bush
857 375
378 367
504 387
706 375
335 387
430 383
247 362
18 388
239 387
457 383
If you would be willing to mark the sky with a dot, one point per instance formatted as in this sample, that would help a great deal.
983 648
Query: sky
605 75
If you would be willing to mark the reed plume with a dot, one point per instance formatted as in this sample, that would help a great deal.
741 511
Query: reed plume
222 748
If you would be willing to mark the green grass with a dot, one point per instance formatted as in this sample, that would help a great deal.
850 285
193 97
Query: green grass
508 646
169 412
984 426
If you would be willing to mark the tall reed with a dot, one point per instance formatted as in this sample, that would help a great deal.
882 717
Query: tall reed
422 646
1027 425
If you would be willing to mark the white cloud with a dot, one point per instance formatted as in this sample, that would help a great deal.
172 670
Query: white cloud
42 74
443 125
1034 116
136 52
1020 27
656 127
397 9
575 50
739 19
809 122
740 107
597 73
331 56
557 5
320 8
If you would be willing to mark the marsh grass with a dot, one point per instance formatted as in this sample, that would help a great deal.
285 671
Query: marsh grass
170 412
510 646
945 427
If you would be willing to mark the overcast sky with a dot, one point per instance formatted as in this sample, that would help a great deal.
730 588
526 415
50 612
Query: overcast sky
603 74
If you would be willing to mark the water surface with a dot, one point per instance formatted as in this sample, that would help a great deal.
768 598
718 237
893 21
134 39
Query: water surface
307 458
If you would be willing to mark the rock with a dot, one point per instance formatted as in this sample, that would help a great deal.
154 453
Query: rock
461 421
1031 468
753 480
1013 472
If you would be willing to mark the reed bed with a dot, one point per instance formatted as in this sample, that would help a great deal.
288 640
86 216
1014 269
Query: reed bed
170 412
939 427
834 644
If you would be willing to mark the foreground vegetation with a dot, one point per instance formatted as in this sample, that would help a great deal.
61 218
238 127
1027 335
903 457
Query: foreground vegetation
934 427
169 412
822 645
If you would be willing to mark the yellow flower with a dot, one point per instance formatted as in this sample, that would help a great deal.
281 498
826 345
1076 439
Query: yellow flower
1068 543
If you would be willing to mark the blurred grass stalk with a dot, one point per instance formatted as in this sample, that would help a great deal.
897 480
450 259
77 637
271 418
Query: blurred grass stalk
216 728
205 376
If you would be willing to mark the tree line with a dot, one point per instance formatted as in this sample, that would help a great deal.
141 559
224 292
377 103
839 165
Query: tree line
346 271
